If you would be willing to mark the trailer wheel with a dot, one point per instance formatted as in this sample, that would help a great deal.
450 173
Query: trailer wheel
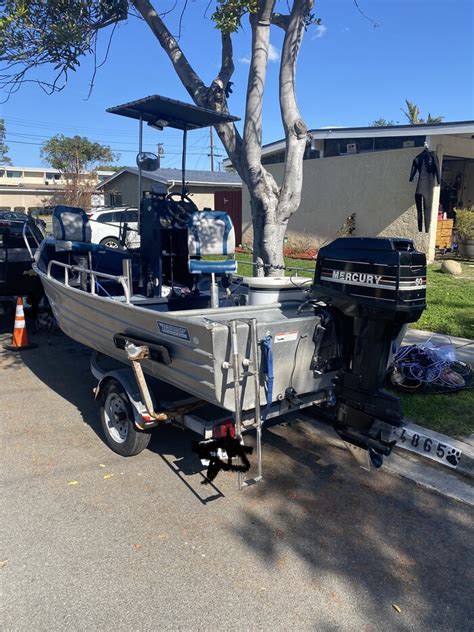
116 417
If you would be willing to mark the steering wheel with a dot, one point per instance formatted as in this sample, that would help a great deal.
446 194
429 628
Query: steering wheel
180 209
183 197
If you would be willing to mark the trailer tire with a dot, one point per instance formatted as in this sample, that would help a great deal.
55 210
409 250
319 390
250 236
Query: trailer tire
117 420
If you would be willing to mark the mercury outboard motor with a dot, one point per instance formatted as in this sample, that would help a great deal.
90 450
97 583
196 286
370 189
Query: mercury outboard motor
377 285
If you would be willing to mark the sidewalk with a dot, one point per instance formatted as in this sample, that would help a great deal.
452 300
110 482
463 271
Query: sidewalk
464 346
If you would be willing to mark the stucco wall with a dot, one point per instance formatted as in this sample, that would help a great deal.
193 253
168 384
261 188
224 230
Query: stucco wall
375 186
19 198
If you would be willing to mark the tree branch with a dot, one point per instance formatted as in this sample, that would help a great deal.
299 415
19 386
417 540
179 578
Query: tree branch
260 23
189 78
278 19
295 128
212 97
227 61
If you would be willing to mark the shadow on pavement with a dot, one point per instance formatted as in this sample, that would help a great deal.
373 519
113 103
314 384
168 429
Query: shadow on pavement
387 541
384 539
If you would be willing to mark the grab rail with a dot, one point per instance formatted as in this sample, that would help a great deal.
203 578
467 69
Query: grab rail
122 279
25 238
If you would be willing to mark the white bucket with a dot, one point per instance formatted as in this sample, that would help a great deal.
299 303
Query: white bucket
267 290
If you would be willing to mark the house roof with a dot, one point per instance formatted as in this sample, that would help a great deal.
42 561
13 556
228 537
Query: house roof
49 169
458 128
171 176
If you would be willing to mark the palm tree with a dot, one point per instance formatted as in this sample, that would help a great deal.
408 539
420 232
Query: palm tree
413 115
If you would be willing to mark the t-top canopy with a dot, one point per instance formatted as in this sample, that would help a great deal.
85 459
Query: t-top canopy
164 112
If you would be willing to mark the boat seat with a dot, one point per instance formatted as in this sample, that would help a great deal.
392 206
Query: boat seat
71 224
211 233
200 266
78 247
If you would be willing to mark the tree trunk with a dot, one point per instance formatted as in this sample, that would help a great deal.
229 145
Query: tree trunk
272 205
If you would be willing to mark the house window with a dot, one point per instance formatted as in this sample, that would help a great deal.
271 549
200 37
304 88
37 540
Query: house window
274 159
116 199
14 174
53 176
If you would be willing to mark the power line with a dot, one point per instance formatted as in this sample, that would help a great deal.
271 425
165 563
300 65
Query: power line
46 137
130 151
54 124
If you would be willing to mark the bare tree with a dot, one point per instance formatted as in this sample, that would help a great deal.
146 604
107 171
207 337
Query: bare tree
272 203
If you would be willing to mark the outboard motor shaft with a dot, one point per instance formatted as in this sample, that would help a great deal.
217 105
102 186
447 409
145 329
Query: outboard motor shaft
378 285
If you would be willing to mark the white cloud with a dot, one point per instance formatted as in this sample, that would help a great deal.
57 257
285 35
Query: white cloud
320 31
273 53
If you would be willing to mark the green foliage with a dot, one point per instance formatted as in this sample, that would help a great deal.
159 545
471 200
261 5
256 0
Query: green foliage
381 122
74 154
4 159
413 115
229 13
465 224
57 32
109 167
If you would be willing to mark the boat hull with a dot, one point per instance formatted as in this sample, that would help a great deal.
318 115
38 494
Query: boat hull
198 341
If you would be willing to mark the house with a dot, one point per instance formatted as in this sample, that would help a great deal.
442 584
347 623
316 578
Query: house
366 170
27 189
208 189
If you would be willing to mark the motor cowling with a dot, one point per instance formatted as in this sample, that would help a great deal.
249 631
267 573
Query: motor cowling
376 286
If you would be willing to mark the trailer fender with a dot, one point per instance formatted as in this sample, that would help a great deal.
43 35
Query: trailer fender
127 381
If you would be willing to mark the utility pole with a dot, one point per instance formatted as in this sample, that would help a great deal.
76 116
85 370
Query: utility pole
211 145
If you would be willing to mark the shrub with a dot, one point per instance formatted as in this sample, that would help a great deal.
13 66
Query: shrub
465 224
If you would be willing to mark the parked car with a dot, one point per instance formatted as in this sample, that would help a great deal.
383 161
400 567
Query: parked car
20 235
108 227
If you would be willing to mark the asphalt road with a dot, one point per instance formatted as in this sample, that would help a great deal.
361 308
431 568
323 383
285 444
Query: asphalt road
320 545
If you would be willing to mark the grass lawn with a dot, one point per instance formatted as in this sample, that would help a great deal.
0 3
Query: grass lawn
305 267
450 299
449 413
450 311
450 303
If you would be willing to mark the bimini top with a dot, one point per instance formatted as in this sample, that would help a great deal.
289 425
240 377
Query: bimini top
164 112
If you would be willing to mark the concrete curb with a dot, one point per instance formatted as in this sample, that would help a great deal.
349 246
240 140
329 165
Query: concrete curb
461 451
464 453
422 471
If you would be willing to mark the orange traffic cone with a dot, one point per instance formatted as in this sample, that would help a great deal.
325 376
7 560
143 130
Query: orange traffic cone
20 334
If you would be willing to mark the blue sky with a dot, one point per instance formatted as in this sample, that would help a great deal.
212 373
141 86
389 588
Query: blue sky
349 73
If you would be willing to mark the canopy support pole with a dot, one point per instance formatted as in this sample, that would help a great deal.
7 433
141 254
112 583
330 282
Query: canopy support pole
183 161
140 150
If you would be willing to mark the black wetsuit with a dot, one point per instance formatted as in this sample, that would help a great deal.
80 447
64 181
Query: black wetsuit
427 166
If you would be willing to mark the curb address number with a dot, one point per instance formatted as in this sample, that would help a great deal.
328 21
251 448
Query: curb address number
429 447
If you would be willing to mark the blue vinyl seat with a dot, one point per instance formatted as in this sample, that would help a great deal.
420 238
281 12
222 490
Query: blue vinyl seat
211 233
200 266
72 231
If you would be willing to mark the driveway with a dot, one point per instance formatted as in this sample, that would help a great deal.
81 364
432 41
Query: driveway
93 541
